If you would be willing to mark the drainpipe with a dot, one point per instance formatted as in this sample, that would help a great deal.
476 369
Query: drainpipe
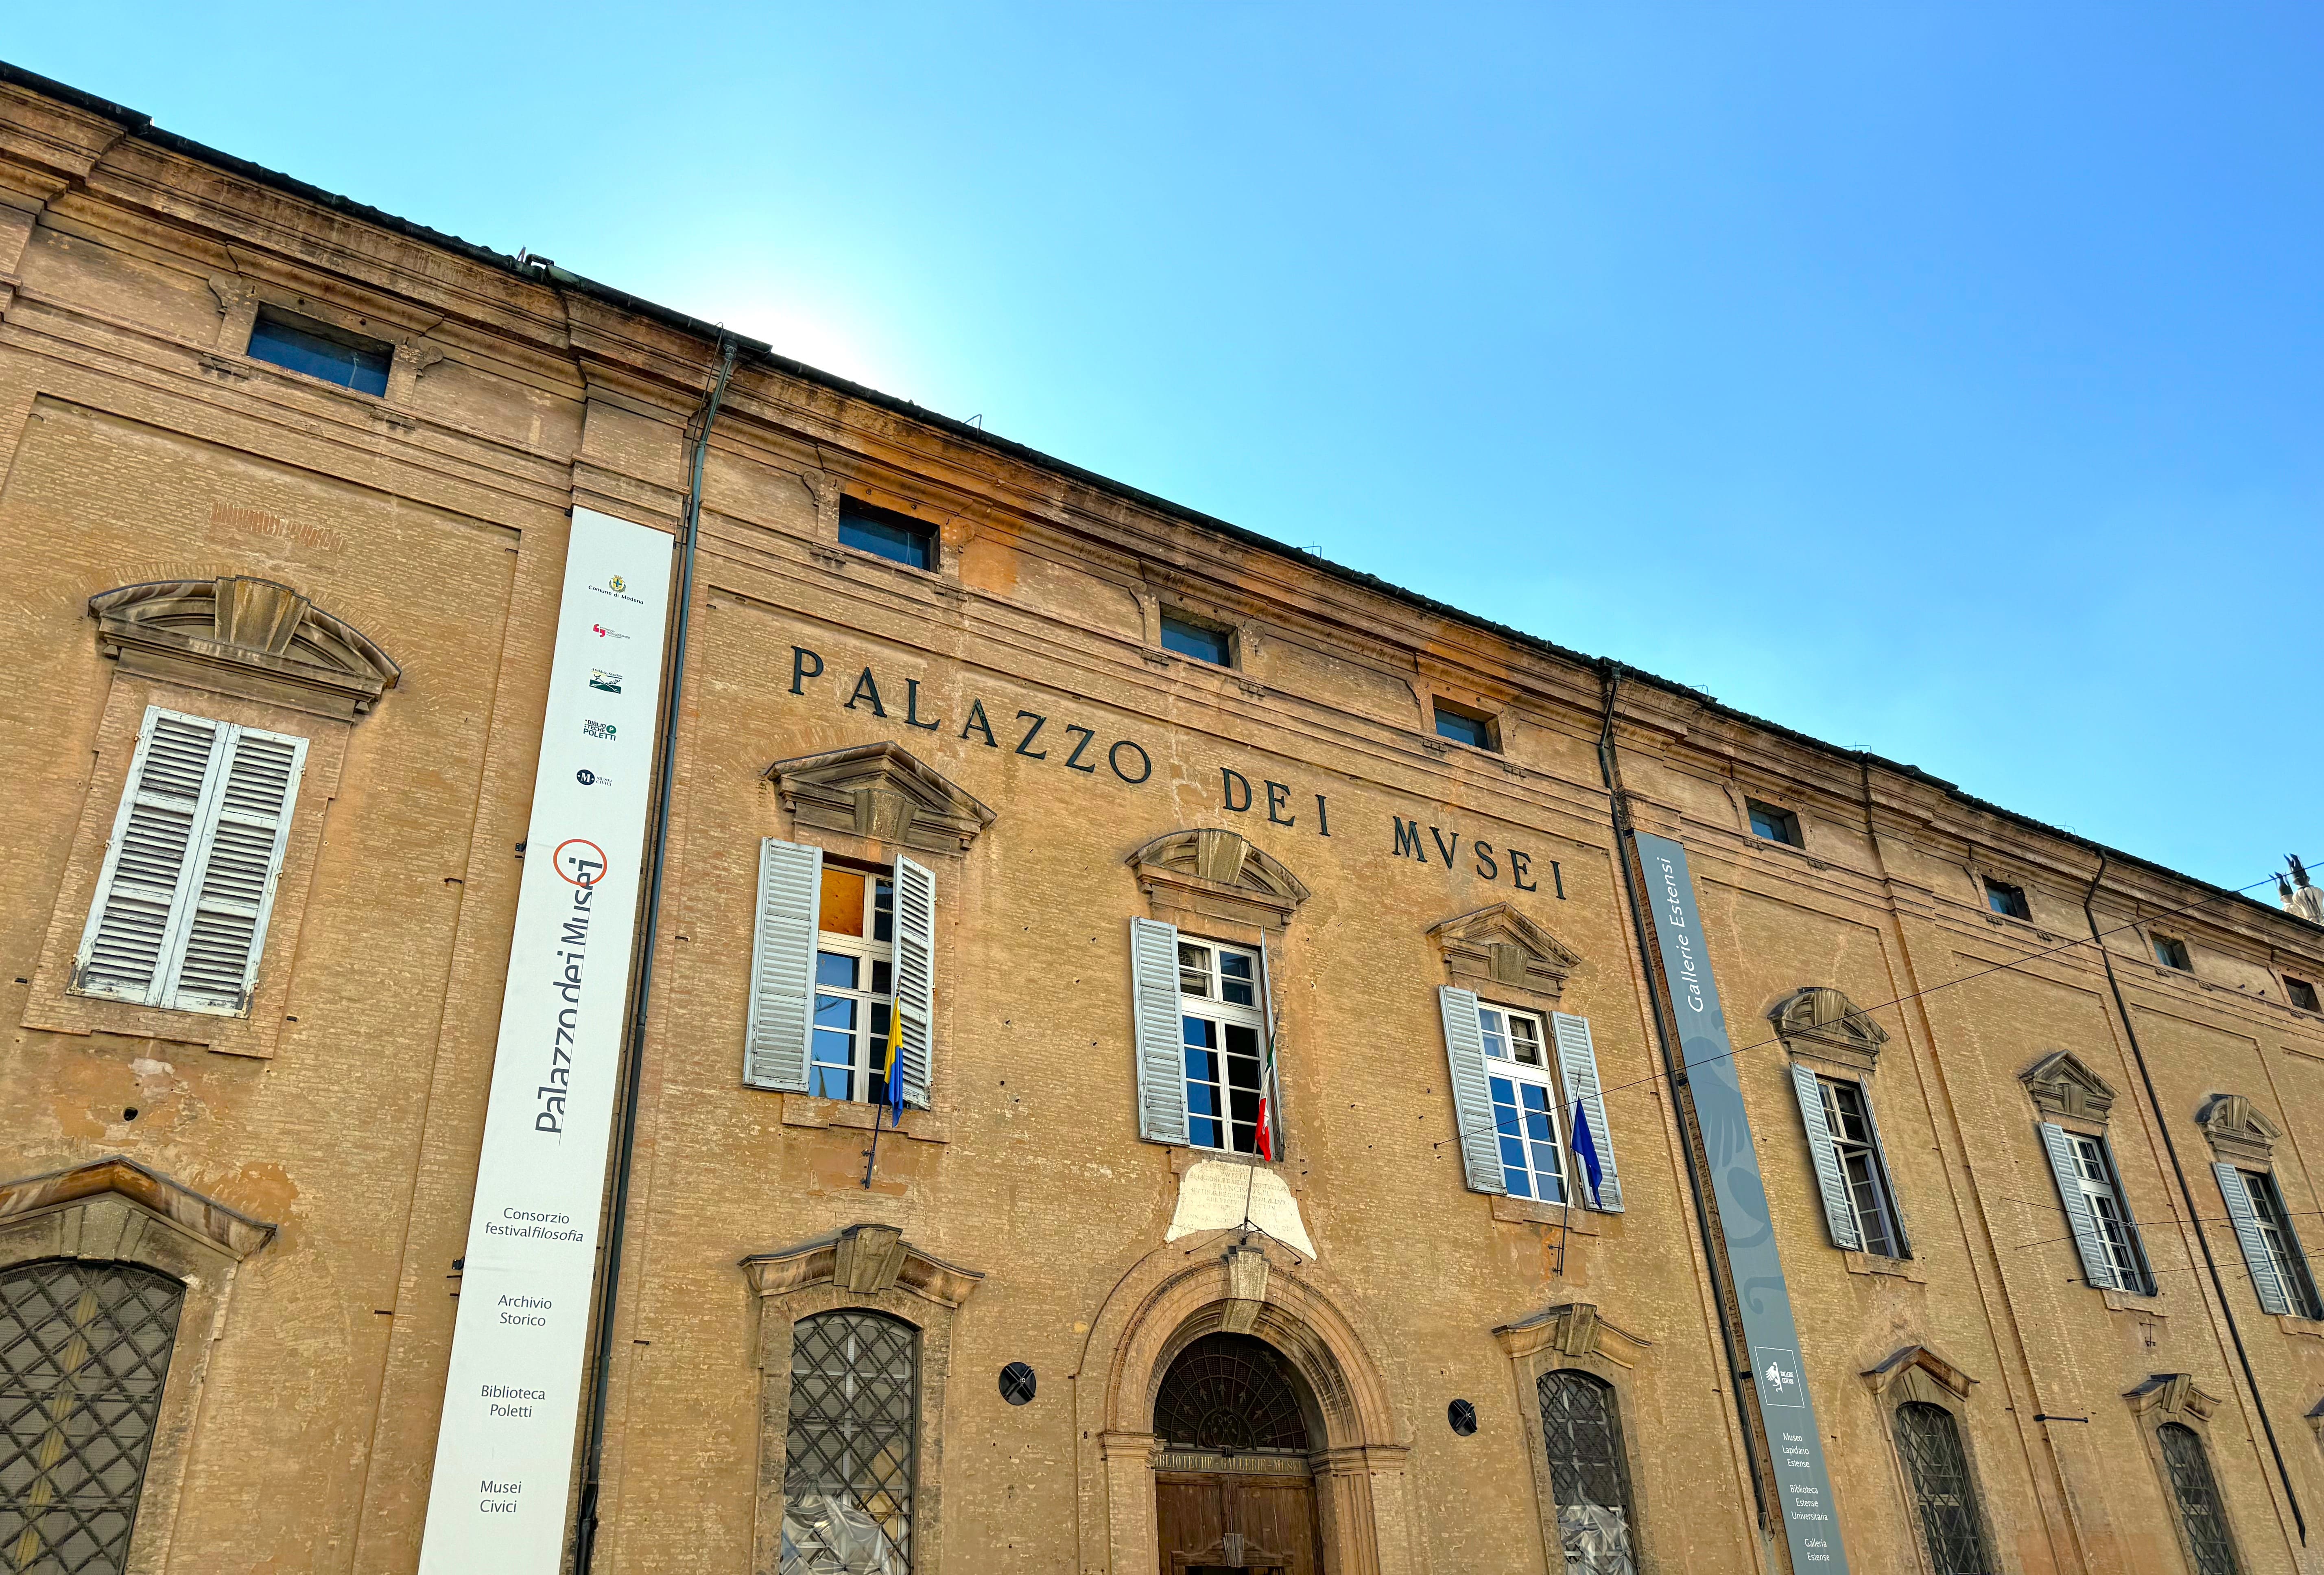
2186 1194
1610 768
634 1048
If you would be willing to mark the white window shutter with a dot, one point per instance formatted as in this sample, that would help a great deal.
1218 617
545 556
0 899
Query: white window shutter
2098 1268
236 863
782 967
125 952
916 979
1472 1096
1161 1043
1577 1063
2266 1283
1839 1213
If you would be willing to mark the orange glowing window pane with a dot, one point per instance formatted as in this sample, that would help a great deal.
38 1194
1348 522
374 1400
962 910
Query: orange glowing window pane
842 902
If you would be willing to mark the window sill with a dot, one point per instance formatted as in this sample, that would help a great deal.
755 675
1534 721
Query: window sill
2291 1324
2012 921
1185 1157
2123 1302
1580 1220
808 1110
839 554
1907 1269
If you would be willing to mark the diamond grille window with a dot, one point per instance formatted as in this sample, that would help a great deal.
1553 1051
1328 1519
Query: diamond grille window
1229 1393
848 1459
1588 1474
1930 1440
2198 1502
84 1349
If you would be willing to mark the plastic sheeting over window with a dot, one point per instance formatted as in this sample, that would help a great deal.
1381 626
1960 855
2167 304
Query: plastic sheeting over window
823 1535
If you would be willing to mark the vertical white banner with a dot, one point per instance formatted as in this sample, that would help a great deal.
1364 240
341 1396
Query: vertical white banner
504 1451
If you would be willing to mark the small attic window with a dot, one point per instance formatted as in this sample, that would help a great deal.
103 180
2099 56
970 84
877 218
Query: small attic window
1463 726
1202 642
886 533
302 344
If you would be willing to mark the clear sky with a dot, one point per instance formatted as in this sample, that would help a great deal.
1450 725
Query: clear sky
1943 380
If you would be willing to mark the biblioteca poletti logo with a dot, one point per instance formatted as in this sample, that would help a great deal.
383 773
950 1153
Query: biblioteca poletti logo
596 729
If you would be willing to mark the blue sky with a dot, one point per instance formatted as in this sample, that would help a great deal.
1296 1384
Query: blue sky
1961 363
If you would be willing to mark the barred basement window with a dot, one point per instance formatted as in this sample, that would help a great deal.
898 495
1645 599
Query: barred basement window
2200 1513
1587 1473
1929 1440
849 1458
84 1351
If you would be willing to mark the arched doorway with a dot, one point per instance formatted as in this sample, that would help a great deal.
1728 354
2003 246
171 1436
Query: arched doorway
1234 1481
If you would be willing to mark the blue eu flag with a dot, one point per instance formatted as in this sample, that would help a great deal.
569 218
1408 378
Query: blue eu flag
1586 1147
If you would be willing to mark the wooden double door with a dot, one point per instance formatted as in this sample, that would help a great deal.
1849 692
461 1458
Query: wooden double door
1220 1523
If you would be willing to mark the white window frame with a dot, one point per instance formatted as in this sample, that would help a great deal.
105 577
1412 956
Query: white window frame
1867 1149
1200 959
1507 1031
2274 1221
2117 1229
872 1007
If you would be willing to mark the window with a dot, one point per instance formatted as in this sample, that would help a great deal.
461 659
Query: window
2280 1244
1589 1475
2172 953
84 1349
885 534
2299 993
850 1456
1199 641
1863 1196
299 344
2200 1516
1774 824
1929 1440
854 986
180 916
1525 1103
1223 1031
2093 1177
2007 900
1463 726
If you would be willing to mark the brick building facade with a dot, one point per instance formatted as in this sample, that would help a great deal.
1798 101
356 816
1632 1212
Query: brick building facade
1175 818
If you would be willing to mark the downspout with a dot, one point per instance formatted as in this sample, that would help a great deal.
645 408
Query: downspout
1609 769
641 996
2194 1215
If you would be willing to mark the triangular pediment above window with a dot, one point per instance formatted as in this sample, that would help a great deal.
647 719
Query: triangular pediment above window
882 792
1918 1373
2062 1086
244 636
1207 872
106 1206
1498 947
1820 1018
2238 1132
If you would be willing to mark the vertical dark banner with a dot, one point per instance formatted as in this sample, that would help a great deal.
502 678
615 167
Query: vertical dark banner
1802 1484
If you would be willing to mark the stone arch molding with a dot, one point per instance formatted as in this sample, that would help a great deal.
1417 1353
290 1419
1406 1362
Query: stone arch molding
244 636
1208 874
1242 1283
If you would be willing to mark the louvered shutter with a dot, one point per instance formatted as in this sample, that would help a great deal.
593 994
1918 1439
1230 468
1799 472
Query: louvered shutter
236 863
916 979
1472 1096
782 967
2098 1268
1839 1213
2266 1283
1888 1178
1577 1063
1161 1043
137 915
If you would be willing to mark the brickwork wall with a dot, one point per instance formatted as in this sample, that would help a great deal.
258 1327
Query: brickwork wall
139 444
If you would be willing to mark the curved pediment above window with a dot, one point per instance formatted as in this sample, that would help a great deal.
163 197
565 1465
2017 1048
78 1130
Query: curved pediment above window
882 792
2238 1132
1500 948
863 1260
1207 873
2062 1086
244 636
1820 1019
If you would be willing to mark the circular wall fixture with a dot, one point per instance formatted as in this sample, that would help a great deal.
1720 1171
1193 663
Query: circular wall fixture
1462 1416
1017 1384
